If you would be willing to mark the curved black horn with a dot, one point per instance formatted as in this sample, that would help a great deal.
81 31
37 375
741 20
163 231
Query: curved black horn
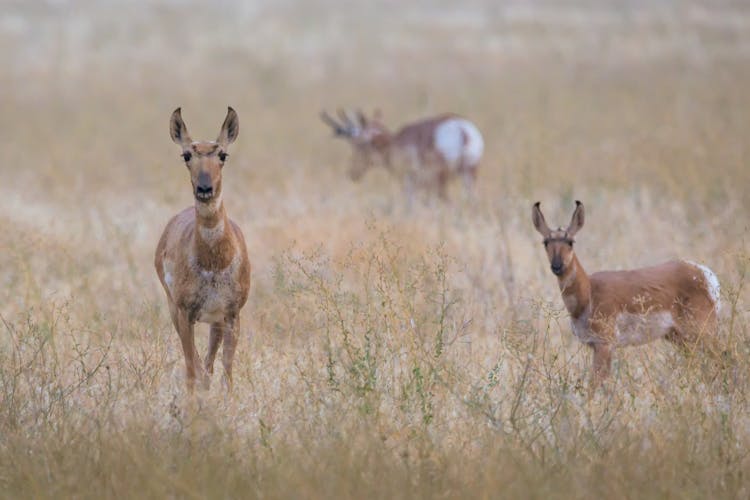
346 120
338 129
362 118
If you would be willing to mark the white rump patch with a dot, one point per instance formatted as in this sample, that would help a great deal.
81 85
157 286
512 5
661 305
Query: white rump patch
637 329
712 284
449 141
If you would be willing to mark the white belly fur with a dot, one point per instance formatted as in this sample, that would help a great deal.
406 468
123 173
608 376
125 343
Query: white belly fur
449 142
637 329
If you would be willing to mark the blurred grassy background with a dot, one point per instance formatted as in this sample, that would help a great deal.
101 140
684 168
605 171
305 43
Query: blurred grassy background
427 347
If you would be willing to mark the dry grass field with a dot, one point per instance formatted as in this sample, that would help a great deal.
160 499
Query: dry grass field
385 352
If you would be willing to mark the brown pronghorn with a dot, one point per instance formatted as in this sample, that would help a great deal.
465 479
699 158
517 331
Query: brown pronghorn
201 257
676 300
423 154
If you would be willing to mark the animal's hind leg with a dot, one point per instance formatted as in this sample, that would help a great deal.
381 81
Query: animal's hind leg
691 334
707 329
442 185
676 337
696 339
469 177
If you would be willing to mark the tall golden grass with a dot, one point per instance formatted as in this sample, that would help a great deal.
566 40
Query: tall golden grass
385 352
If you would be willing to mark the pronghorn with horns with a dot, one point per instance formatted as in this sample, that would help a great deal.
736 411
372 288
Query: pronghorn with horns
424 154
677 300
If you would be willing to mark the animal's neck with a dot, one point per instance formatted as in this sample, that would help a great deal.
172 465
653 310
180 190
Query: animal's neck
213 243
384 144
575 288
387 159
208 214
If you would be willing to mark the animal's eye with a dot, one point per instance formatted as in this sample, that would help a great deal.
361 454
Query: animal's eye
545 242
570 244
223 156
186 156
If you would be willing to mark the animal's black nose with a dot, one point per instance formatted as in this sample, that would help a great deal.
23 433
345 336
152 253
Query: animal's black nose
557 269
204 192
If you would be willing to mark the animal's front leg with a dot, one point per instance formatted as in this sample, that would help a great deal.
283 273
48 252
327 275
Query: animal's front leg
414 175
601 366
231 334
409 186
186 331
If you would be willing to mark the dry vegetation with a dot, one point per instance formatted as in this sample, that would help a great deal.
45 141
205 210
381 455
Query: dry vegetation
384 353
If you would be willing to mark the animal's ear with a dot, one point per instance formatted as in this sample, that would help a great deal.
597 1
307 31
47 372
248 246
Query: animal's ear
538 218
576 222
178 130
230 129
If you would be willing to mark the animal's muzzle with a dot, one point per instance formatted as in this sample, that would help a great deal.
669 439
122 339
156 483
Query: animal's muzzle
204 193
557 268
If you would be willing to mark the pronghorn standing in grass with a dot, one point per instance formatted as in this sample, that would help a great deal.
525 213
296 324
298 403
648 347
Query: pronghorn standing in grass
201 257
424 154
676 300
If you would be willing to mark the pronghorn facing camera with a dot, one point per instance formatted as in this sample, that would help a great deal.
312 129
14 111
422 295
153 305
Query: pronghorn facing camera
425 154
201 257
676 300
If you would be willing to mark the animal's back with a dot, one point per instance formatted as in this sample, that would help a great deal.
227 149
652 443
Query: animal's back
673 299
454 139
421 131
679 283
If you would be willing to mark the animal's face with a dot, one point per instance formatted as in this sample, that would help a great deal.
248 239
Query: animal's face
370 147
205 159
558 243
368 137
559 248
